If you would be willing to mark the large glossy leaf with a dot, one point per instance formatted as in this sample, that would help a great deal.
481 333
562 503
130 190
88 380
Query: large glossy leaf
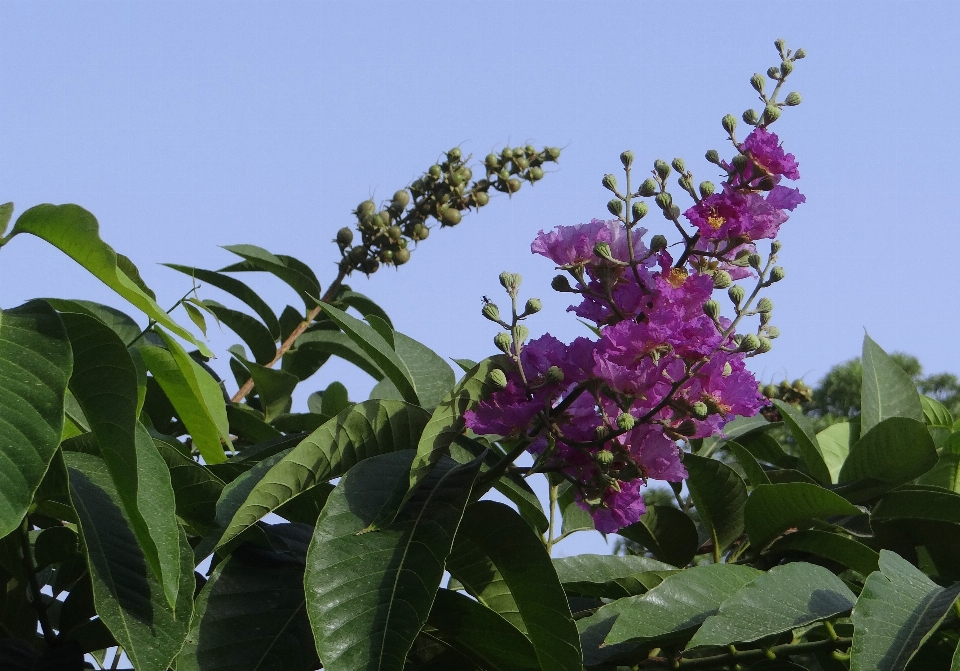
719 495
300 278
313 348
918 504
361 431
76 233
765 448
258 338
783 598
196 489
236 288
122 324
946 473
128 598
251 615
610 576
274 387
836 441
196 396
678 605
432 375
894 451
593 630
887 390
935 414
898 609
481 634
772 509
751 467
364 305
369 594
740 427
802 431
667 532
494 532
841 549
35 364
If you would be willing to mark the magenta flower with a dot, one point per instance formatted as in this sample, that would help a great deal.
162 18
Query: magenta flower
763 148
618 508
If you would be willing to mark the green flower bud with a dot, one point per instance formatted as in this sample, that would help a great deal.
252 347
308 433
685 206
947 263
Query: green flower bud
370 266
722 279
551 154
491 312
685 184
793 99
679 165
766 183
777 274
625 421
394 233
751 117
421 232
657 243
535 174
386 255
662 169
765 317
729 123
707 189
770 391
754 261
712 156
775 246
771 114
481 198
554 375
497 379
502 342
521 162
736 294
712 309
401 256
562 284
764 346
465 173
602 249
522 332
757 82
513 185
454 155
506 280
609 182
492 162
781 45
664 200
615 207
344 237
626 158
533 306
727 369
700 410
604 457
773 332
648 187
687 428
773 72
450 216
672 212
435 171
600 432
639 210
798 54
530 151
401 199
764 305
739 162
366 209
786 67
749 343
357 254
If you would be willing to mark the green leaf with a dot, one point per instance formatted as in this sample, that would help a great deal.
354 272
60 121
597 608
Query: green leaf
802 431
898 610
274 387
122 324
719 495
751 467
6 211
334 400
76 233
432 375
195 488
479 633
247 424
610 576
129 600
946 473
894 451
447 422
383 328
667 532
196 316
313 348
36 363
887 390
678 605
765 448
369 594
300 278
918 504
740 427
197 397
379 351
772 509
364 305
594 628
362 431
841 549
235 288
935 413
258 338
835 442
251 614
494 532
783 598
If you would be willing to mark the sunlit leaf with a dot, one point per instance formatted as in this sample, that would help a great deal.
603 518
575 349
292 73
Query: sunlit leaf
887 390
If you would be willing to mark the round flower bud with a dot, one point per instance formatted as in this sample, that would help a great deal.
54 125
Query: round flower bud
506 153
497 379
421 232
562 284
370 266
757 82
777 274
773 332
454 155
781 45
764 346
533 306
521 162
663 170
786 67
685 184
739 162
639 210
626 158
513 185
712 156
504 174
492 162
773 72
736 294
672 212
506 280
707 189
604 457
751 117
712 309
465 173
450 216
754 261
687 428
530 151
798 54
679 165
481 198
366 209
657 243
793 99
551 154
722 279
765 317
615 207
502 342
729 123
600 432
766 183
394 232
554 375
535 174
625 421
522 332
765 305
517 279
401 199
609 182
771 113
699 410
357 254
770 391
648 187
435 171
344 237
775 246
664 200
749 343
386 255
602 249
491 312
401 256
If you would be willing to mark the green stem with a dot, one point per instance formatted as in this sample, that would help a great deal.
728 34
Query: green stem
553 507
36 597
116 658
748 656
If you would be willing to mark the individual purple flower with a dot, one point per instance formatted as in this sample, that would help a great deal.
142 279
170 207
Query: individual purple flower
763 148
657 455
505 411
618 508
569 246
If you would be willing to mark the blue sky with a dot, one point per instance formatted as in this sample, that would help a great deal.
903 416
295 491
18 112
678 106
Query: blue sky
187 125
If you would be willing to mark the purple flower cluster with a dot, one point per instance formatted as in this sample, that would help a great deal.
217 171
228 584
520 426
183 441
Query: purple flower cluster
662 369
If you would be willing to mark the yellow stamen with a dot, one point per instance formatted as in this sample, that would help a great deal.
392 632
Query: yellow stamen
676 277
715 220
